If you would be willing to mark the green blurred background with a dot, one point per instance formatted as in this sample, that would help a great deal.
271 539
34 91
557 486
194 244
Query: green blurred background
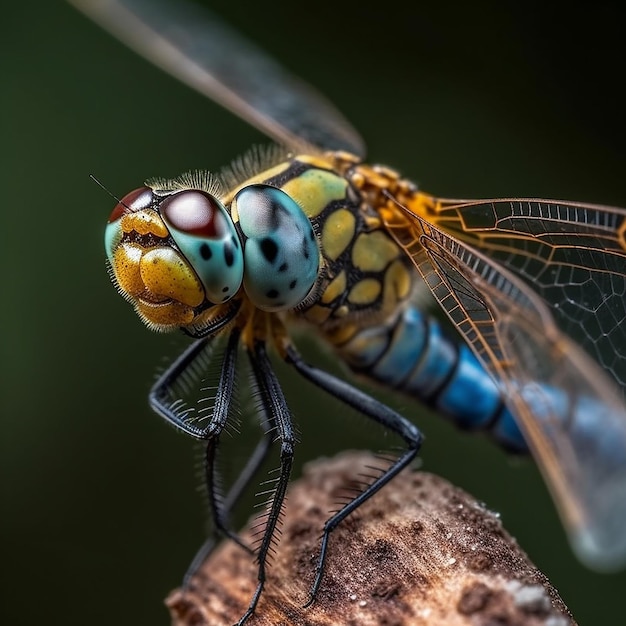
100 510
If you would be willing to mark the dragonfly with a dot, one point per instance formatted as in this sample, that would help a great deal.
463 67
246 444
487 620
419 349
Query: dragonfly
311 234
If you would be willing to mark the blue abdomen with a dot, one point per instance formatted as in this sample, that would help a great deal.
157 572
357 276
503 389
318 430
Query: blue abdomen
411 354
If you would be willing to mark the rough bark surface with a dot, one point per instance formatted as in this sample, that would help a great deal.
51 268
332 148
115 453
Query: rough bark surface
421 551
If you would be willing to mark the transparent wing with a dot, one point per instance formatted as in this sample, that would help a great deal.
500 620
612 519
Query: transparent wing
569 410
196 47
572 254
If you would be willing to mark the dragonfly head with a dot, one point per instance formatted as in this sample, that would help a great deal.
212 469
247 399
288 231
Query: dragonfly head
176 255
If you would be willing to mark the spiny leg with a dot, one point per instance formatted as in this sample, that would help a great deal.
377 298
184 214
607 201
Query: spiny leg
222 512
219 510
172 408
190 364
278 416
379 412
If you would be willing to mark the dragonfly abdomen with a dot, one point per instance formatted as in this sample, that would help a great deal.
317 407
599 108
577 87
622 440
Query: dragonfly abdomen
410 353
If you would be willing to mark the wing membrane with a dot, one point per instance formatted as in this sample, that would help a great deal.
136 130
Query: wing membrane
196 47
572 416
572 254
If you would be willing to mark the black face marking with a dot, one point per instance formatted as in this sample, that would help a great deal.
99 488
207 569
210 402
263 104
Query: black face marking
311 235
283 267
205 251
235 242
272 294
292 284
269 249
305 248
229 256
225 289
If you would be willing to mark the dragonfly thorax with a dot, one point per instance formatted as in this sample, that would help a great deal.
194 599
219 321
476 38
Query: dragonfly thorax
303 235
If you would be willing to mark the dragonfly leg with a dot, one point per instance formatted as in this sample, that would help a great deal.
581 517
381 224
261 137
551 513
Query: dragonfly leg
168 401
278 416
379 412
219 512
165 400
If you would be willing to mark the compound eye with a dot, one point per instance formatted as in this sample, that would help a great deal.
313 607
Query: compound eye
281 254
136 200
205 234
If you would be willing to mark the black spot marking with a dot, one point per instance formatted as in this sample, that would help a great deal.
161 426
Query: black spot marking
272 294
225 289
235 242
311 235
305 248
292 284
283 267
269 249
205 251
276 208
229 256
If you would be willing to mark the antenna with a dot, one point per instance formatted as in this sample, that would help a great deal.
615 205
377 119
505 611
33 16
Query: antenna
95 180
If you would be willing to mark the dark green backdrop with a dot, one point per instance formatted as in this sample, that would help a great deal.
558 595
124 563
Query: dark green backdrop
100 513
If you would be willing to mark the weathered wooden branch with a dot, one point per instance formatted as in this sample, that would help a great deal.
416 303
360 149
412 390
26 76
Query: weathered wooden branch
421 551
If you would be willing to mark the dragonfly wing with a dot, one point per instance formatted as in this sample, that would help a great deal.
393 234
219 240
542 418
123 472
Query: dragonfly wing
571 415
196 47
572 254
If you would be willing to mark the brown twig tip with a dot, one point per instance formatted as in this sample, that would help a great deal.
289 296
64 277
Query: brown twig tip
421 551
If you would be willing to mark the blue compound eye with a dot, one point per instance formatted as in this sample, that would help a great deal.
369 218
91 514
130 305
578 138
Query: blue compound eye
206 236
280 251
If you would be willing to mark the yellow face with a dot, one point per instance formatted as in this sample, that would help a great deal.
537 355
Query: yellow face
152 241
